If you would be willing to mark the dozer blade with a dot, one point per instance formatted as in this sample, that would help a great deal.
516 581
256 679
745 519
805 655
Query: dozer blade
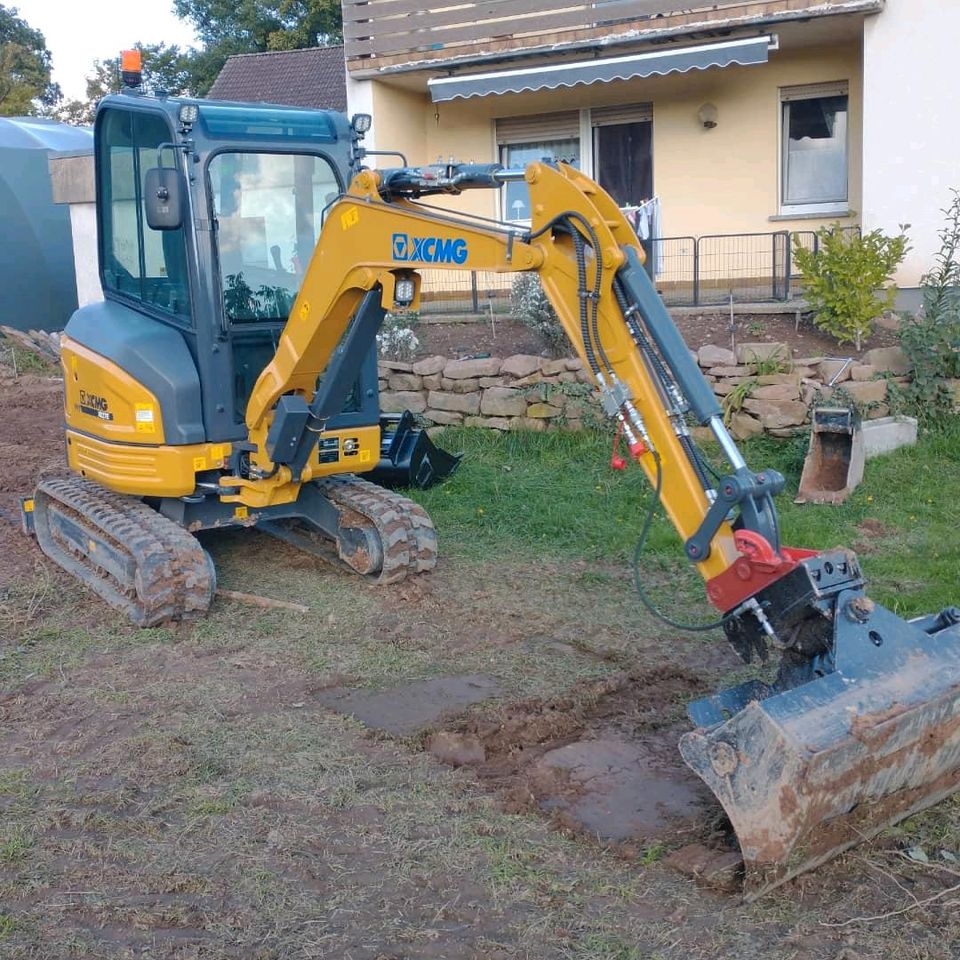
408 457
806 773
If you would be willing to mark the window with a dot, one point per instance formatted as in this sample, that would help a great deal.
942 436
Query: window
137 262
268 210
523 140
623 152
814 139
516 198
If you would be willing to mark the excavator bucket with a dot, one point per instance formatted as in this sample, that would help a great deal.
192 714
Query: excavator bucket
834 465
408 457
810 771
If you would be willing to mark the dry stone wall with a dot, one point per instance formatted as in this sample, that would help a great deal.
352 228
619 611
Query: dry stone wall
764 388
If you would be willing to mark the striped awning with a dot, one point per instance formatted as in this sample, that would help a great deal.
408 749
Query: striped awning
747 52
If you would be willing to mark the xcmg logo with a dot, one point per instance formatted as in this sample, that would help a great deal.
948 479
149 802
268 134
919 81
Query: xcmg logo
429 249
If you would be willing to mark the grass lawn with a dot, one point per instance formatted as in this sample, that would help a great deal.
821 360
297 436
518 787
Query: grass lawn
184 793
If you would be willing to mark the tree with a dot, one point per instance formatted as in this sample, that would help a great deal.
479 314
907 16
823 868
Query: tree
165 68
25 84
226 27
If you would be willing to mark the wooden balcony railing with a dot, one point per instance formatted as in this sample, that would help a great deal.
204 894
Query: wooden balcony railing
398 31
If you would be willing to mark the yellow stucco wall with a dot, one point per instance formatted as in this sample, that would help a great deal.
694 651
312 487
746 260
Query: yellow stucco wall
724 180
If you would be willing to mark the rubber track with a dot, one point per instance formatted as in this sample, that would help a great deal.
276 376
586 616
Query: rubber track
405 529
174 577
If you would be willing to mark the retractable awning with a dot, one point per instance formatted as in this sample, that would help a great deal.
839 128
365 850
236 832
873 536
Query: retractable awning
658 63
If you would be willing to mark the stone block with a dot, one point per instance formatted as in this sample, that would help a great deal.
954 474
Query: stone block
769 379
754 352
550 368
445 417
527 423
463 369
432 382
777 391
828 369
386 367
743 426
430 366
568 376
583 376
455 402
723 387
460 386
520 365
574 364
735 371
867 391
863 371
528 381
405 381
397 402
503 402
888 434
485 382
877 412
777 414
710 356
888 360
491 423
543 411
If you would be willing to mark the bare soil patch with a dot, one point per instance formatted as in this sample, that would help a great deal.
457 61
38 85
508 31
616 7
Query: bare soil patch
600 761
31 442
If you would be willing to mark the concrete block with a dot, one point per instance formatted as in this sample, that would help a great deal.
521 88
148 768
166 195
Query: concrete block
888 434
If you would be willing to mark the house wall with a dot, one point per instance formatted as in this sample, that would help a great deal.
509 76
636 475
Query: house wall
724 180
911 137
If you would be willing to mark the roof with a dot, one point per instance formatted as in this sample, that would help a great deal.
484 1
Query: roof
41 133
314 77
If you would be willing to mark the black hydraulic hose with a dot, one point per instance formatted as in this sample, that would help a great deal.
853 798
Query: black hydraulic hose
638 552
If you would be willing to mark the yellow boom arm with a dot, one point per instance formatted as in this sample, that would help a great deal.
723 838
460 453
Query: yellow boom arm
578 244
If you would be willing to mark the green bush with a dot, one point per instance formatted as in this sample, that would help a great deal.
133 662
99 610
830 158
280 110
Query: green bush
931 339
530 305
844 280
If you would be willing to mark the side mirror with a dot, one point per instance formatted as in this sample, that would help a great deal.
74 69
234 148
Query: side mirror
163 198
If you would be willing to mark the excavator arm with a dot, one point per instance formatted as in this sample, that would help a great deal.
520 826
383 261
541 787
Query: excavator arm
861 725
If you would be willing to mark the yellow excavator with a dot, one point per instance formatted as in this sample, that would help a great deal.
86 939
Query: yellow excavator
248 257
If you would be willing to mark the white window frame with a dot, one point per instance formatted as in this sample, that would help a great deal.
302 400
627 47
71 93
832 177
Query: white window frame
792 95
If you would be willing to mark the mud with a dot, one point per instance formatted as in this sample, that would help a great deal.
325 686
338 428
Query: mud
31 443
601 761
413 707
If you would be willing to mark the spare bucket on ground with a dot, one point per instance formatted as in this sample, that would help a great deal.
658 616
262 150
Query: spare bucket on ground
834 465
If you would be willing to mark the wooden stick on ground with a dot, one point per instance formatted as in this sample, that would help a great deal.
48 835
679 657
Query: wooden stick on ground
256 601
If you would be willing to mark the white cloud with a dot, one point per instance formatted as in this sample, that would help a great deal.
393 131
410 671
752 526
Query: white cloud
78 32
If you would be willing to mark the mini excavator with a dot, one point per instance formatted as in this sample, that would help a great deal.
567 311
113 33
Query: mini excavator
247 259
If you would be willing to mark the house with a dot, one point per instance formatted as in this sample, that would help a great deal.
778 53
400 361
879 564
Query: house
750 120
313 77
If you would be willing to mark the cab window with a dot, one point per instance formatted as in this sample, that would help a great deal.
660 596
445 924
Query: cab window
268 209
137 262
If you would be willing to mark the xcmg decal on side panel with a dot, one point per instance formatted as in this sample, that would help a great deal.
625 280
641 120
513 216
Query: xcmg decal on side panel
429 249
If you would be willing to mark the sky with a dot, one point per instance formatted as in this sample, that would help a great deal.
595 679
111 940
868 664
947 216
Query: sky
81 31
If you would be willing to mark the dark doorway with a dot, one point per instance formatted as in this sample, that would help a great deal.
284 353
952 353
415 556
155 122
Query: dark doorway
623 161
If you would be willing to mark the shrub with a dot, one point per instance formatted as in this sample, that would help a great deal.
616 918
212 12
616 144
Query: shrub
931 339
396 339
530 305
844 280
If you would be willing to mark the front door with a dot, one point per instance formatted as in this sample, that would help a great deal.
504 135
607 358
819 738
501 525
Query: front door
623 161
